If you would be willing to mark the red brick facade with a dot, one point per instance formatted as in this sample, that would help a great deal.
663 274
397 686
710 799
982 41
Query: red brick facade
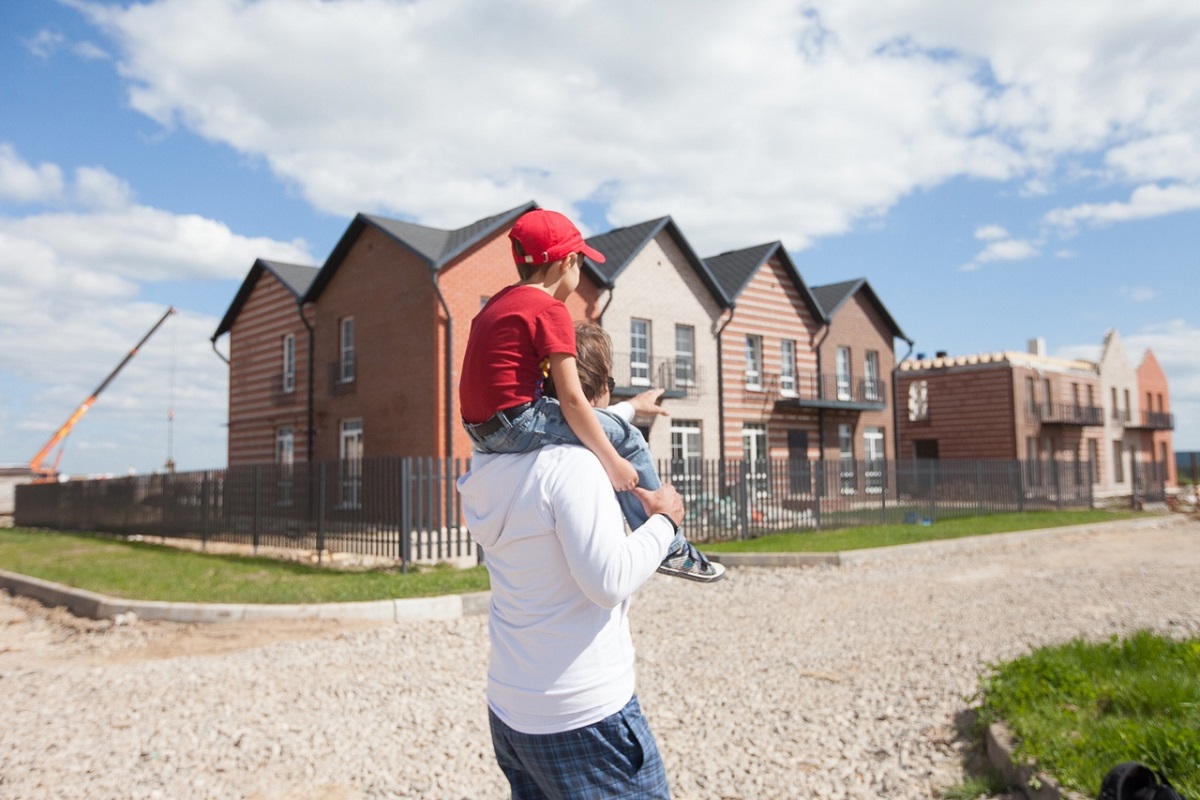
1157 423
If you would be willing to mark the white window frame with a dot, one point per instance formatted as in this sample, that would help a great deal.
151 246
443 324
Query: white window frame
639 352
847 469
787 367
687 468
871 388
350 454
755 454
289 363
285 457
346 359
843 373
753 361
685 355
874 457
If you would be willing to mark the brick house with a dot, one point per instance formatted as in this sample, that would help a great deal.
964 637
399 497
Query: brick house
270 411
855 354
661 312
1156 421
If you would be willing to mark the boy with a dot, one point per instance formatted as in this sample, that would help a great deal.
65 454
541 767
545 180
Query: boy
525 334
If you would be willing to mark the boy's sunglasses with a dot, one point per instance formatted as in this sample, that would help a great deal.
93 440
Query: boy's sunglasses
611 383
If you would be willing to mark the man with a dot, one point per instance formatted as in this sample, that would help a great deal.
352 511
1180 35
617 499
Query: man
564 717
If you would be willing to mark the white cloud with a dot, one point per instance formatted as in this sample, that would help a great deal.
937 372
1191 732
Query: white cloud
1001 247
990 233
1139 294
44 43
25 183
1145 202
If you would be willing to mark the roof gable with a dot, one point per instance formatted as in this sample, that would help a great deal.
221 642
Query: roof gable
621 245
296 278
434 246
832 296
734 270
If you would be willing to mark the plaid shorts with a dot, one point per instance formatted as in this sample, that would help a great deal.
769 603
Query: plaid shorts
613 758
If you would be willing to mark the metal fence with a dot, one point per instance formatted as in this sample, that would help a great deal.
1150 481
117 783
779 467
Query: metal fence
407 509
404 509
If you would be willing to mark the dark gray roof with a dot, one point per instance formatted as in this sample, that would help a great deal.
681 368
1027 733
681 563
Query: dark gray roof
296 278
832 296
734 269
434 246
621 245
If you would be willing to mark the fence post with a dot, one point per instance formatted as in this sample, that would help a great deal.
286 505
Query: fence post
257 507
932 489
978 488
1020 483
320 511
743 504
883 487
1057 483
818 491
406 514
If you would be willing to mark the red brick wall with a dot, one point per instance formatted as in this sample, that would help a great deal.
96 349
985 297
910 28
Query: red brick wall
257 404
970 413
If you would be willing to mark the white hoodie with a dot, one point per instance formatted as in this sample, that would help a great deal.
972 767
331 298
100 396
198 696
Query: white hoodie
562 571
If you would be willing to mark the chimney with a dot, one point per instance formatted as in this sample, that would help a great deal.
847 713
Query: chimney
1037 347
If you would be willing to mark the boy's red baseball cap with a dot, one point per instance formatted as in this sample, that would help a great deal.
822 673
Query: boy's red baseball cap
545 236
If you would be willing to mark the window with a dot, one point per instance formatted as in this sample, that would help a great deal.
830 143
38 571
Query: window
1127 408
843 373
289 363
799 469
685 355
346 344
1075 398
873 455
1047 394
753 362
787 367
1094 459
754 452
686 466
871 386
639 352
1116 410
1118 462
1031 403
285 453
1160 403
350 453
918 401
846 468
1033 467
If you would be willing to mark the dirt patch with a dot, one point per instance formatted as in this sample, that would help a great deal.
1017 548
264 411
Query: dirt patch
33 636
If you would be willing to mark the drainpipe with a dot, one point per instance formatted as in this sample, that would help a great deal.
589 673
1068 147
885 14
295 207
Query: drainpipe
721 384
600 316
816 346
310 430
896 399
449 388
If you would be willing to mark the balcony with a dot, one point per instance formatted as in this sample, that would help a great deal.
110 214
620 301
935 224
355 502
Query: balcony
342 381
1065 414
824 390
679 378
1155 421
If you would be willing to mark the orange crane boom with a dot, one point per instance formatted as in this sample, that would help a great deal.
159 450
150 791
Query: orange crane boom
43 473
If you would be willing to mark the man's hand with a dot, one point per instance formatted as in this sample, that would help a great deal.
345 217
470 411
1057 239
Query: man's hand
646 404
662 501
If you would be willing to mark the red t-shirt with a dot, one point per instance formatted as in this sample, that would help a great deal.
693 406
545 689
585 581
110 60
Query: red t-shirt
510 337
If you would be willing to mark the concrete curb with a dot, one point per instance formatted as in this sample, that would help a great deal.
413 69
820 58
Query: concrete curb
922 549
83 603
1036 785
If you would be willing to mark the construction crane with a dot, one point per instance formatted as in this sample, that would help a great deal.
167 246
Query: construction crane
47 474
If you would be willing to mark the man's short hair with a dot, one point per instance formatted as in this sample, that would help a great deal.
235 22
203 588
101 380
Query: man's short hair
594 359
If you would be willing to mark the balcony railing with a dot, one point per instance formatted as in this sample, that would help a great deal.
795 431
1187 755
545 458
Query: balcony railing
825 390
1065 414
1157 421
678 376
339 382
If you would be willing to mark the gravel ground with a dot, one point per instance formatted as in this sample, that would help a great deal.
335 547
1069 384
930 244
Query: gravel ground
775 683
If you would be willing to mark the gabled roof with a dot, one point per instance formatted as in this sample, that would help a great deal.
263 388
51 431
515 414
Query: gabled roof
622 245
434 246
832 296
734 269
296 278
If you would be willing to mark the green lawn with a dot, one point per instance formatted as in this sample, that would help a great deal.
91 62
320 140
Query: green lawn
1080 708
136 570
831 541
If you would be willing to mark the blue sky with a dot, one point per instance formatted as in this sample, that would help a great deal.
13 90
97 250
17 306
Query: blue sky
997 172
